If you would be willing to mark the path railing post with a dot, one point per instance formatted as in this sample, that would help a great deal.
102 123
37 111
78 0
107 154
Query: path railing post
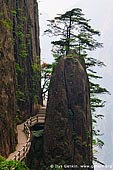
37 118
18 155
23 150
15 157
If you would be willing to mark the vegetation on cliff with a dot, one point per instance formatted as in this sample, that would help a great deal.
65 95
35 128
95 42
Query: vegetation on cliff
27 56
20 85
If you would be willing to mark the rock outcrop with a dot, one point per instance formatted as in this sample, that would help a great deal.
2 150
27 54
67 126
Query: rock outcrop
7 85
68 127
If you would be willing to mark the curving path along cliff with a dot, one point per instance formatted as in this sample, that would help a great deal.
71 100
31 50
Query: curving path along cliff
22 139
24 135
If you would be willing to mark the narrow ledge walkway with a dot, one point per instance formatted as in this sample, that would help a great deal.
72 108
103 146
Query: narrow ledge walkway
24 139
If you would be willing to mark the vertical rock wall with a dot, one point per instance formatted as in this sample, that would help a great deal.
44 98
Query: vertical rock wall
27 55
19 67
7 84
68 133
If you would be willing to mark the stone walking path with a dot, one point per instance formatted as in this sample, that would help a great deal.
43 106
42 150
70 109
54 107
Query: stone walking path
22 138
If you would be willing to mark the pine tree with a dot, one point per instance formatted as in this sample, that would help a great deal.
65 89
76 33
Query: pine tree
73 32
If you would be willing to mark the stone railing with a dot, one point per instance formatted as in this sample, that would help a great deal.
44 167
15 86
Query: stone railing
21 154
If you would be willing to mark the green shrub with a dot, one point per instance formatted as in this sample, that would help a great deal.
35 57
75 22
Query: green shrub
12 165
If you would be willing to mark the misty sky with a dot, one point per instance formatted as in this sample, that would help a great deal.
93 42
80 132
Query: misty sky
48 10
53 7
101 15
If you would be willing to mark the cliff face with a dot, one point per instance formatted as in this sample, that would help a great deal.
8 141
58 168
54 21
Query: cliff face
7 85
26 54
67 134
19 67
24 23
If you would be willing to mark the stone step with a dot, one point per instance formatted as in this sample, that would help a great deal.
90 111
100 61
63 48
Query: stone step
41 115
42 110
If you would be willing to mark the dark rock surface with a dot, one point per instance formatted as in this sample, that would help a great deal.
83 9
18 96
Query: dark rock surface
68 127
20 80
7 85
27 55
35 153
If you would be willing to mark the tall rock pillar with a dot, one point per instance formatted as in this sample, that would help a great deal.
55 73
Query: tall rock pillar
68 127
